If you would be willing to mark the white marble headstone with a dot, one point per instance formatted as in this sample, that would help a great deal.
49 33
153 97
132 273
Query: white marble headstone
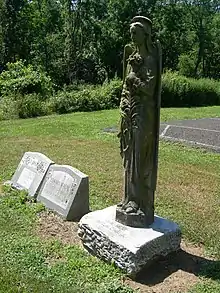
30 172
66 191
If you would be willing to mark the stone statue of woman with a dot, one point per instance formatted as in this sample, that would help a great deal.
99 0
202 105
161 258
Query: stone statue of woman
139 128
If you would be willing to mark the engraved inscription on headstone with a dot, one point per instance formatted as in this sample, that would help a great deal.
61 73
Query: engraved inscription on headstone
66 191
30 172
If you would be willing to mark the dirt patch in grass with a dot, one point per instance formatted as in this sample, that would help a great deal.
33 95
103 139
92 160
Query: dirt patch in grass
51 226
177 272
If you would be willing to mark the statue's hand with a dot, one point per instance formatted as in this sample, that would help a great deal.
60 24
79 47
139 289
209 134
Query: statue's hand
132 80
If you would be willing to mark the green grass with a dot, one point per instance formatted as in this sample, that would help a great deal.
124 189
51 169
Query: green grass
28 265
88 125
188 192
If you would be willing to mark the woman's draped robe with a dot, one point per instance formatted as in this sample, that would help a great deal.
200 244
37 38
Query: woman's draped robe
139 132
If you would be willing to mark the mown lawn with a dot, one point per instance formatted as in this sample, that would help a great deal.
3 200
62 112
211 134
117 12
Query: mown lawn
188 193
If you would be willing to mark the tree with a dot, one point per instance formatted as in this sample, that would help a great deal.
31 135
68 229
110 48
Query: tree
202 14
2 33
13 34
83 40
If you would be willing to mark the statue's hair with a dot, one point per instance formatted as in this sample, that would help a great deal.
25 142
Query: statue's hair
146 24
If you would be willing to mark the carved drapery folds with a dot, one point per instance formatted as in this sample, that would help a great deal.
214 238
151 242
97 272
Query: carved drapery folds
139 128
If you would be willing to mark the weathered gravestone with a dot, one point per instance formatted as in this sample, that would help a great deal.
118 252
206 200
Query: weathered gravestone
129 234
66 191
30 172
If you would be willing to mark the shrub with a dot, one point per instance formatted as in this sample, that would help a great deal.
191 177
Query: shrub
32 106
8 108
21 79
88 98
23 107
180 91
187 64
177 91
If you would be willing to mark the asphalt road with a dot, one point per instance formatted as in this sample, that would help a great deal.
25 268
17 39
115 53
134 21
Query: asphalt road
203 133
200 132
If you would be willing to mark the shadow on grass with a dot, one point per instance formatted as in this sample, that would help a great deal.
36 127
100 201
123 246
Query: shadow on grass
180 260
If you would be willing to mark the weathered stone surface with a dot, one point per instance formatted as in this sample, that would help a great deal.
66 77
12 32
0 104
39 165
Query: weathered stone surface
66 191
129 248
30 172
140 122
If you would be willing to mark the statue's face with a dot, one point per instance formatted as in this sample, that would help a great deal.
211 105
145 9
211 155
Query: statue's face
137 34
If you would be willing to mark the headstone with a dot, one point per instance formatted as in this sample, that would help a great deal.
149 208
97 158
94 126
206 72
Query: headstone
66 191
130 234
30 172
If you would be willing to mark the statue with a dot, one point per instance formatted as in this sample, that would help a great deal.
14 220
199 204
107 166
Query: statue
140 121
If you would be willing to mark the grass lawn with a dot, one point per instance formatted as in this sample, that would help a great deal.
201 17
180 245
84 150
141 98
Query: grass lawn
188 192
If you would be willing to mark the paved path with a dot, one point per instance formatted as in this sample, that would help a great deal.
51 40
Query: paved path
199 132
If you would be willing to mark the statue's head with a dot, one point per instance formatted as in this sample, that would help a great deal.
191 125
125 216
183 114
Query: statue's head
140 29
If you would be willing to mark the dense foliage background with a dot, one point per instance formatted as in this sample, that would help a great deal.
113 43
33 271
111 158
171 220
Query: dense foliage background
50 45
83 39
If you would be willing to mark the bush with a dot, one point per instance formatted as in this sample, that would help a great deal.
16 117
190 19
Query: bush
32 106
23 107
180 91
187 64
21 79
88 98
8 108
177 91
82 98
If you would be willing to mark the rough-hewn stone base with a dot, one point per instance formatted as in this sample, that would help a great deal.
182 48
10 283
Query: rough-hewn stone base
129 248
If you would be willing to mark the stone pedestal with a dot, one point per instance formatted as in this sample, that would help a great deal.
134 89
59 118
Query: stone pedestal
129 248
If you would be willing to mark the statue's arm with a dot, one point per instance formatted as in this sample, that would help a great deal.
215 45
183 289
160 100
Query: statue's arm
153 81
159 56
128 50
153 72
148 80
